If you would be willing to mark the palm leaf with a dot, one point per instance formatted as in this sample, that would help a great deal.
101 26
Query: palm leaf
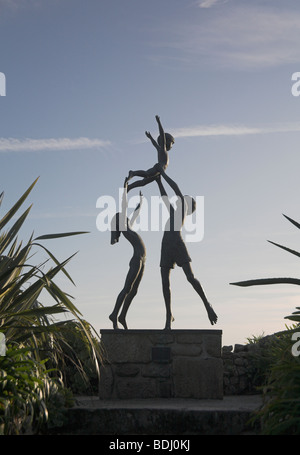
56 261
11 234
37 312
292 221
54 290
266 281
16 207
21 284
285 248
56 236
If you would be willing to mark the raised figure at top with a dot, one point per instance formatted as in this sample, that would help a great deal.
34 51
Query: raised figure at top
163 145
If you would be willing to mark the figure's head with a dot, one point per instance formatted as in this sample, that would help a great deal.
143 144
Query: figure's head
191 204
169 141
115 230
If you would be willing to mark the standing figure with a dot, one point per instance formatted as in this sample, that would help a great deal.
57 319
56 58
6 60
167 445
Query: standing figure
174 251
163 145
121 224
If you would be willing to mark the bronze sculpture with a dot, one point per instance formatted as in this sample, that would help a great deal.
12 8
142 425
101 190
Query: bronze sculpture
174 251
121 224
163 145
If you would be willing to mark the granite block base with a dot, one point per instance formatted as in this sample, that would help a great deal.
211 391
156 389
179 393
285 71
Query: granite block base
161 364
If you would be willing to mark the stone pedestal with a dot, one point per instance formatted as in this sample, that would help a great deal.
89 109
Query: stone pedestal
161 364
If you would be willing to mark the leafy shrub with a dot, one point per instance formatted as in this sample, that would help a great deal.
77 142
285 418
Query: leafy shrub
29 397
76 365
28 390
280 414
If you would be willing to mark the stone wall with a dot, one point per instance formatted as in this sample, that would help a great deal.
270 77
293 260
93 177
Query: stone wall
240 368
154 363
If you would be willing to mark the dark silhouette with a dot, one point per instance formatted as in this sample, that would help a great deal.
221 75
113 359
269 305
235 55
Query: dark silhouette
174 251
121 224
163 145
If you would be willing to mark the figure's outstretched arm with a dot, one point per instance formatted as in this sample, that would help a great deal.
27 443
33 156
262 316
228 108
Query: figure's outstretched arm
172 184
137 210
123 214
161 187
161 132
181 204
163 193
154 143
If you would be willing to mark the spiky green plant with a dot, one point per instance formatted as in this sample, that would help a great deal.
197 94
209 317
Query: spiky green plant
22 316
27 394
24 320
266 281
280 413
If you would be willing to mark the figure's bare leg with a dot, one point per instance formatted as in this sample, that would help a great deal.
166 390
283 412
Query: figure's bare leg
130 297
169 320
130 279
132 174
122 321
211 314
141 182
165 277
198 288
152 172
113 319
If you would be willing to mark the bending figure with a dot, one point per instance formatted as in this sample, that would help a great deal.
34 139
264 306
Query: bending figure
174 251
163 145
121 224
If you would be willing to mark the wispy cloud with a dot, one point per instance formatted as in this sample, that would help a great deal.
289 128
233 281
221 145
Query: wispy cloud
16 4
234 130
209 3
246 36
42 145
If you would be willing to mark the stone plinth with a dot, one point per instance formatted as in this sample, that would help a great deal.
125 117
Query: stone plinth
161 364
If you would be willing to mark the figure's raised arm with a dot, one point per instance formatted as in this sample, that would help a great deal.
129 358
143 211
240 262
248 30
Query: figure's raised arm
154 143
137 210
161 132
163 193
172 184
123 214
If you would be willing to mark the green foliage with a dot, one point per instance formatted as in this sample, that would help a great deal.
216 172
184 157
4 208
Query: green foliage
260 350
35 337
267 281
280 414
27 393
255 339
295 316
77 366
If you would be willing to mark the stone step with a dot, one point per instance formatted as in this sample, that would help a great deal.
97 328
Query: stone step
229 416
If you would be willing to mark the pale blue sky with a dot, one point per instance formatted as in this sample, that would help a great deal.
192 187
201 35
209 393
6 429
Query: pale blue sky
85 79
